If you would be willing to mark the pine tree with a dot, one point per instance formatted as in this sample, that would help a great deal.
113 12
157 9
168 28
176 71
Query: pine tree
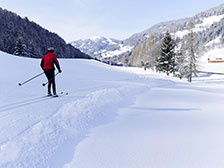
31 50
166 60
181 62
192 57
20 47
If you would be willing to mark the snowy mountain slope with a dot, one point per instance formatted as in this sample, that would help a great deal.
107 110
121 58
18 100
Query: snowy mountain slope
93 46
96 46
112 117
204 21
208 27
35 38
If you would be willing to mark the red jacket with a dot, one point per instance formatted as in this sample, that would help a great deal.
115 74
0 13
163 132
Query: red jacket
48 61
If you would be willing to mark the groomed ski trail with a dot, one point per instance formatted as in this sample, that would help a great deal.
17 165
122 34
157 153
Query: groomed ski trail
40 142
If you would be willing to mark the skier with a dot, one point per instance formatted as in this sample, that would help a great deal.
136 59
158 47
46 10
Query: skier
47 64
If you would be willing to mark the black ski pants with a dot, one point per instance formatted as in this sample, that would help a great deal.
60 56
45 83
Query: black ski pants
51 80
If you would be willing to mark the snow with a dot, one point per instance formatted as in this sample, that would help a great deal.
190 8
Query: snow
215 50
214 42
206 23
181 34
121 50
214 53
113 117
111 42
95 38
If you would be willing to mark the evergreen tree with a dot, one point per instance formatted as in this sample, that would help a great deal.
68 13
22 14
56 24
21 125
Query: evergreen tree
192 57
31 50
166 60
20 47
181 61
12 26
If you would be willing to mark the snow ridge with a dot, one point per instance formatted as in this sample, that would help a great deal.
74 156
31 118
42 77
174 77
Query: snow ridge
74 118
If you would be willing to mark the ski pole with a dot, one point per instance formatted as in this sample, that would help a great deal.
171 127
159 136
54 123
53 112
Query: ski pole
20 84
50 79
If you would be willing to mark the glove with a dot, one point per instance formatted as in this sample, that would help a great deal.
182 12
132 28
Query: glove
59 71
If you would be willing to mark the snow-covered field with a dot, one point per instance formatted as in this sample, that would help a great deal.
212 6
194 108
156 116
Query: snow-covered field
113 117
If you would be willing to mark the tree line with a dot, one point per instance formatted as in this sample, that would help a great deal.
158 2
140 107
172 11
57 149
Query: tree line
23 37
176 57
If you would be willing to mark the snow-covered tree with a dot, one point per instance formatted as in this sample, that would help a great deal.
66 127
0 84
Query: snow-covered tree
20 47
192 58
31 50
166 60
152 51
181 64
12 26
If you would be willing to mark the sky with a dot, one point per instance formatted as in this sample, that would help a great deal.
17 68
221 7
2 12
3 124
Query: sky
119 19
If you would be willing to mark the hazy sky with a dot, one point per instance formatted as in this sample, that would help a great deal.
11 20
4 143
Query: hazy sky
75 19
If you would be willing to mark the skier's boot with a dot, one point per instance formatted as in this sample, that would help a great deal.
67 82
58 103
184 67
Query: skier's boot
49 94
55 94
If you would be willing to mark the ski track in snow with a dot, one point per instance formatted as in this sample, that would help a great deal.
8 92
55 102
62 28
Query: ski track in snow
54 135
35 145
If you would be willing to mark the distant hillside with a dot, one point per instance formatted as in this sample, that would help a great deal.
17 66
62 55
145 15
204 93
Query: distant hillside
209 30
34 37
208 27
96 46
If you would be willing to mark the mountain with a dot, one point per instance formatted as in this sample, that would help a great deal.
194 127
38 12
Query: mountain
33 36
96 46
102 48
208 27
120 52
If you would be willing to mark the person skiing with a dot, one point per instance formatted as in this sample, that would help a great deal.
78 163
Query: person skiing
47 64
